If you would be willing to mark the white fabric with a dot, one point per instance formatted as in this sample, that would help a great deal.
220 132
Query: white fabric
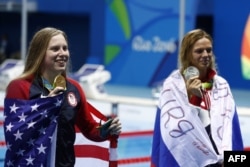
203 115
113 154
82 140
53 150
90 162
183 131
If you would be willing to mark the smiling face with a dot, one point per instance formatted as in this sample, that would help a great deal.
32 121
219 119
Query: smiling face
197 50
56 57
202 54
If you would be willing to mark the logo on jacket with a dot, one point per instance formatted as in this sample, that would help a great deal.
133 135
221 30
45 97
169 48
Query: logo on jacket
72 99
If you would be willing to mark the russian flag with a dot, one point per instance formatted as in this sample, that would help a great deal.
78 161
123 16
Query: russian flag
161 155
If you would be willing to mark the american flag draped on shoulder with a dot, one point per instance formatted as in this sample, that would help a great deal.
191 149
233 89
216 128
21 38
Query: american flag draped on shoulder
98 154
26 118
38 118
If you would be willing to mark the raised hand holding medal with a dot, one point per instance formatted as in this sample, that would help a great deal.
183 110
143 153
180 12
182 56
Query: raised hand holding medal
59 85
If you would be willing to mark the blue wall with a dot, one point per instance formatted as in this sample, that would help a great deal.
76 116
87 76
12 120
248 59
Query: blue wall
82 20
94 9
229 21
77 28
141 39
85 23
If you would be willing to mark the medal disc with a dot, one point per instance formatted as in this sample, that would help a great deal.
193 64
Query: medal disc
59 81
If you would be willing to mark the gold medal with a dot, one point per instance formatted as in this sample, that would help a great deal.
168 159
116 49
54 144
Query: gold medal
59 81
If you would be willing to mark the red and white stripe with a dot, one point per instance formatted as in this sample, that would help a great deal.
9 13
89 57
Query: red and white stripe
91 153
98 154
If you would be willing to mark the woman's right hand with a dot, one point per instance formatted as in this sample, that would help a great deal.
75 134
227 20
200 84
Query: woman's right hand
57 90
193 86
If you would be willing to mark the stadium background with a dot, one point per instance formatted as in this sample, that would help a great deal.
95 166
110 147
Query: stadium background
107 32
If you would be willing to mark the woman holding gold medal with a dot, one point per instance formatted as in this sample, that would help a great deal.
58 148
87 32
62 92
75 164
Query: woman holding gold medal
44 88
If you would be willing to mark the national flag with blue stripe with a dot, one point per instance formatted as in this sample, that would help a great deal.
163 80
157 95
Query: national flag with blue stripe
30 128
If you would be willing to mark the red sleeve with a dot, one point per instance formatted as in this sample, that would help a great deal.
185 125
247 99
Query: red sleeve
84 120
18 89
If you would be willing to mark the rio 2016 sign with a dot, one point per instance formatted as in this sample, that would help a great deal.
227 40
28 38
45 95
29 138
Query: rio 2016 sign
140 44
141 40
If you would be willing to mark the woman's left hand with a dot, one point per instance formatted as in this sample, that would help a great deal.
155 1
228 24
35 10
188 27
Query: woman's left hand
115 127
